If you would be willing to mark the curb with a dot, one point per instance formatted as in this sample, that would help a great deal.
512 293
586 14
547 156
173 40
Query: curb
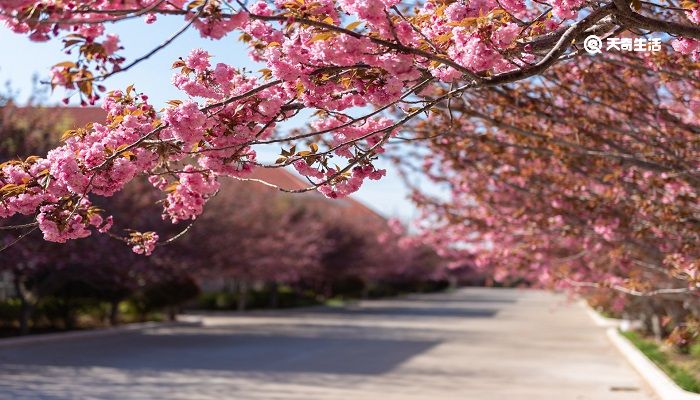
662 385
599 319
54 337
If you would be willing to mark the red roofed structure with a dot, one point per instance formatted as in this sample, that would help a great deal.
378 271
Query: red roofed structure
285 179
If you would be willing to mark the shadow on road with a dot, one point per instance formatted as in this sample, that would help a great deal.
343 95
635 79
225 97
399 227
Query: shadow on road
234 351
367 339
486 344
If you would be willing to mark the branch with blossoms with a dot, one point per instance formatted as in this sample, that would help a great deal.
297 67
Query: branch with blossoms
586 178
401 61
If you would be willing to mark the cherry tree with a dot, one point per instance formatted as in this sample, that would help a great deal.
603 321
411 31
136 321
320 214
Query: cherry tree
587 178
99 268
390 62
254 236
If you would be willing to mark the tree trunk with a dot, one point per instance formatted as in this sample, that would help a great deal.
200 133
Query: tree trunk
26 307
25 315
229 285
365 290
114 312
68 313
452 283
274 295
676 310
656 326
328 290
143 315
242 295
651 320
172 313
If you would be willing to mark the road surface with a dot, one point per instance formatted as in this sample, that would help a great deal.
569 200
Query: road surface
479 344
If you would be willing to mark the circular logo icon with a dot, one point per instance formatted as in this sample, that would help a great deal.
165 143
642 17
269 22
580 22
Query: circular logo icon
593 45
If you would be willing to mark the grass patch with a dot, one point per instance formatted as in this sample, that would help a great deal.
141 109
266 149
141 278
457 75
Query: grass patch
335 302
655 353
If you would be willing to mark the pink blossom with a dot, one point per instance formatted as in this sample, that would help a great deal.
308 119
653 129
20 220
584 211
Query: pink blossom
61 225
111 44
694 14
566 9
304 169
685 45
144 243
65 169
58 76
218 28
187 123
198 60
456 11
187 200
504 36
91 30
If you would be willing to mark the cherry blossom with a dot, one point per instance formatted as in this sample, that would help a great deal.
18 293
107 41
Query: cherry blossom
359 71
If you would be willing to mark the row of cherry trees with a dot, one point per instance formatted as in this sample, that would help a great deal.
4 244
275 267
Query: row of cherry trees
261 237
570 170
100 268
327 57
249 235
585 179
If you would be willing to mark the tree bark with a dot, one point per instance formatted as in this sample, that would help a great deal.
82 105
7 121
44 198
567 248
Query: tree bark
656 326
274 295
69 317
172 313
365 290
26 307
114 312
242 296
24 316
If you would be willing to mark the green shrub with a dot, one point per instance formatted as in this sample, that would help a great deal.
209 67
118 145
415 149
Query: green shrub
695 350
224 300
9 312
287 297
64 312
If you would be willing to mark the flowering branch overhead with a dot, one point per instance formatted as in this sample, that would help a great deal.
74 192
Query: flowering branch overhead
395 61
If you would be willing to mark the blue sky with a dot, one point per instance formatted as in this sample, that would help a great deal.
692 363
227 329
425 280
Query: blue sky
23 58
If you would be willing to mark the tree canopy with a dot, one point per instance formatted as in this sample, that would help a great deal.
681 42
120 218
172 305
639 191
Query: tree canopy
568 168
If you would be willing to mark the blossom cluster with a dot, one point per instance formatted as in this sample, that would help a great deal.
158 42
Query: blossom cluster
184 150
331 57
583 208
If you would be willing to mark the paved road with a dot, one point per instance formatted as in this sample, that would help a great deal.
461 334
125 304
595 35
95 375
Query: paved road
476 344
